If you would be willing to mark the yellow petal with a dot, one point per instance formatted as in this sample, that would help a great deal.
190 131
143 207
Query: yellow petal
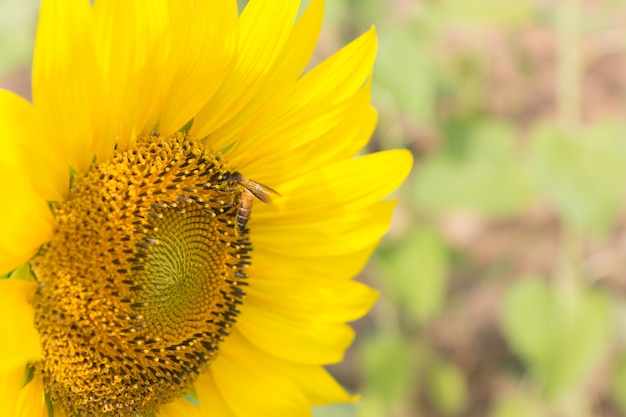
331 210
339 234
24 128
211 400
356 128
311 118
307 342
282 78
338 77
205 43
342 186
26 223
335 267
238 370
67 82
181 407
317 384
134 41
31 400
25 219
313 381
265 26
10 380
325 301
292 142
20 340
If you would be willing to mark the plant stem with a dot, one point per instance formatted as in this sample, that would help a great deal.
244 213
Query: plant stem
569 64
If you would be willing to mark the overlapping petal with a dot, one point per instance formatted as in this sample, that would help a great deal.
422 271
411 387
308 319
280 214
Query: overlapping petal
333 267
340 187
312 382
182 407
297 144
10 380
134 43
329 301
17 318
198 27
308 342
68 84
210 397
339 203
311 123
325 237
264 28
317 385
280 81
31 400
24 130
25 219
238 370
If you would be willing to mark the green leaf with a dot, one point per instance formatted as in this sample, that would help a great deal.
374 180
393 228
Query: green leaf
187 126
22 272
389 364
192 397
416 272
487 178
447 388
560 332
29 372
527 309
49 405
582 174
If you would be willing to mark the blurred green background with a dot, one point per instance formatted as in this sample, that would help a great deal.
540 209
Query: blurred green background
503 277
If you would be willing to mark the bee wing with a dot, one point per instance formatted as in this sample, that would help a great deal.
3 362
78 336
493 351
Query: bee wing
260 191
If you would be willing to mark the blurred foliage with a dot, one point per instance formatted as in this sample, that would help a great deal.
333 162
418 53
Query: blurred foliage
420 300
387 362
467 178
17 24
583 173
559 332
508 159
447 387
502 278
485 12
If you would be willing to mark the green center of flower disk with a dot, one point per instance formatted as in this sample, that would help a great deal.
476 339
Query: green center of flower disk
142 279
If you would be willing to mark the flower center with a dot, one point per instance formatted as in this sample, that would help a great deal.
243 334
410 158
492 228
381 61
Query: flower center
142 279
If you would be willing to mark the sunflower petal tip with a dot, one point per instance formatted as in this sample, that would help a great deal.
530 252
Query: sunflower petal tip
373 296
402 160
17 318
355 398
406 158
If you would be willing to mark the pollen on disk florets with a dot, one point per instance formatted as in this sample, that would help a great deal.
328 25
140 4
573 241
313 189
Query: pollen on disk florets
141 280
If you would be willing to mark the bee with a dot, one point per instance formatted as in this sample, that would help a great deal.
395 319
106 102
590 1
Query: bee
251 189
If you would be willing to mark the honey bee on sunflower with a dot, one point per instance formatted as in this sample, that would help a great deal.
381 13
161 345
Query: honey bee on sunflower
140 276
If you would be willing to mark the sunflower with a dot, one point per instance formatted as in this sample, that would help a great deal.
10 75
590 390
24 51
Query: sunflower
184 211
